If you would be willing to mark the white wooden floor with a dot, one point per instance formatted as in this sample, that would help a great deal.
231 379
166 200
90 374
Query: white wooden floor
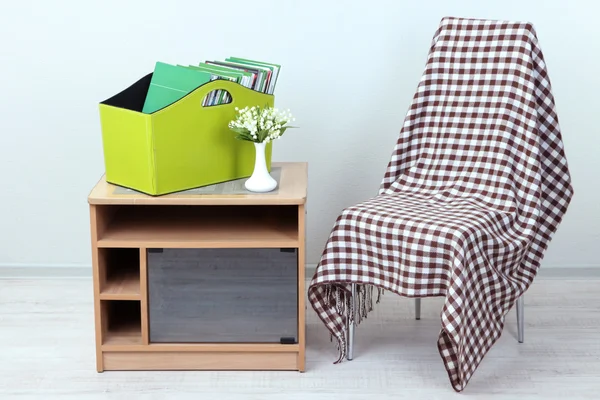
47 352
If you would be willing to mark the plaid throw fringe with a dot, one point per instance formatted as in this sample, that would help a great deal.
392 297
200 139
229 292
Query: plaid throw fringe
340 299
476 186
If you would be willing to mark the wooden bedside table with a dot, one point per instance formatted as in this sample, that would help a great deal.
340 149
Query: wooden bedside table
193 281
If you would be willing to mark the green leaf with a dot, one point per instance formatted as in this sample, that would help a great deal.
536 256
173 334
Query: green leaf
262 135
241 131
246 138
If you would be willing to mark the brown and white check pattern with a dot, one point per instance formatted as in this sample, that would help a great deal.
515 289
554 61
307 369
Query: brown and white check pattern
476 187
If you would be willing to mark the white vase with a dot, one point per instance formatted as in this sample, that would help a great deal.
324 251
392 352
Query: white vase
260 181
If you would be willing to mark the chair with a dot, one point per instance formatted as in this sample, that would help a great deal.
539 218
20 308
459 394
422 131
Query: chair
520 304
477 184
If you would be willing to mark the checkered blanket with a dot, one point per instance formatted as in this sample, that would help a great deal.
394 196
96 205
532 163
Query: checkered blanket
476 187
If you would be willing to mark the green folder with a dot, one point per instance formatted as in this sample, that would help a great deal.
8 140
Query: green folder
258 74
262 70
221 73
273 67
170 83
227 71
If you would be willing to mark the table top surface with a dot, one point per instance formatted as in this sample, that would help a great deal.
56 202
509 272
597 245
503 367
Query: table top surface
291 190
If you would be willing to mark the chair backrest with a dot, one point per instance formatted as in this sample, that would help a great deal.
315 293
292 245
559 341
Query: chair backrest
483 125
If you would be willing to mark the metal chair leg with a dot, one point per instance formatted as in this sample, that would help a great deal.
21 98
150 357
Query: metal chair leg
417 309
520 319
351 325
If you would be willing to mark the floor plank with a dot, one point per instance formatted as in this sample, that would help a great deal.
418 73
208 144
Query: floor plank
47 352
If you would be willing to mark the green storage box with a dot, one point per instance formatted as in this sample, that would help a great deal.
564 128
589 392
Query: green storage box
179 147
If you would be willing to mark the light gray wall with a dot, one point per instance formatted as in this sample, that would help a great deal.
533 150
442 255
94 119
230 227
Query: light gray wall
350 69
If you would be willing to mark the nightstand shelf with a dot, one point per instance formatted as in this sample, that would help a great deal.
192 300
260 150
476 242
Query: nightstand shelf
119 273
202 227
122 322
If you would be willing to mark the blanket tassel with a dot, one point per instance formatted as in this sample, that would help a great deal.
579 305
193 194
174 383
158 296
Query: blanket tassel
342 301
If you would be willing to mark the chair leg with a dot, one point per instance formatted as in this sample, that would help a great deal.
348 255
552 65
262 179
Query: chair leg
520 319
417 309
351 325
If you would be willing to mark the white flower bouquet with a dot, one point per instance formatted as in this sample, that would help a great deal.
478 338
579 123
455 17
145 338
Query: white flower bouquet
260 125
